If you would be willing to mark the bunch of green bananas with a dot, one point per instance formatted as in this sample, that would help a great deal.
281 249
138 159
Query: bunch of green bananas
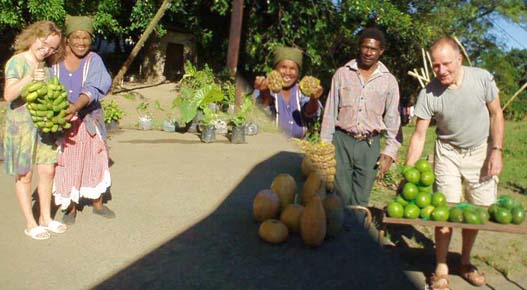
47 104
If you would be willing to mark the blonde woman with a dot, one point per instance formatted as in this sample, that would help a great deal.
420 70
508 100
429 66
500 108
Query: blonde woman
24 147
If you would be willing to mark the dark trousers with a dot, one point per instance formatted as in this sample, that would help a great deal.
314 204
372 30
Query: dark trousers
356 167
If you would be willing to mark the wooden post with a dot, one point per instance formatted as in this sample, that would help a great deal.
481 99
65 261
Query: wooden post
160 12
514 96
234 44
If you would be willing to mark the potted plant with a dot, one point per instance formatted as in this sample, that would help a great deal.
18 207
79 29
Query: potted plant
229 96
145 116
197 90
207 125
112 114
170 124
239 120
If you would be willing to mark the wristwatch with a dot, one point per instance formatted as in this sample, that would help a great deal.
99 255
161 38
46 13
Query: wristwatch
497 148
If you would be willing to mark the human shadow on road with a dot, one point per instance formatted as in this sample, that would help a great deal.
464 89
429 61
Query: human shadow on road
223 251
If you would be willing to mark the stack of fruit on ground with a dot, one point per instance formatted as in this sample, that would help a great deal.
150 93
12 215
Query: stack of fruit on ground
47 104
320 158
417 198
281 212
507 210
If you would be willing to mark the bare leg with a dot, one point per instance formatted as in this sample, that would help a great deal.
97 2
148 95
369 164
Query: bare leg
467 270
442 237
469 237
97 203
46 172
23 193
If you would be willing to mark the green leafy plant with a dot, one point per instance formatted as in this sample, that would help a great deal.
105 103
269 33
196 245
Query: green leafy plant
229 93
209 117
143 109
112 111
240 116
313 133
197 89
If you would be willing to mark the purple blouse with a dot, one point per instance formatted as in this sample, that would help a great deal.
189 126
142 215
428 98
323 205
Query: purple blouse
291 117
92 79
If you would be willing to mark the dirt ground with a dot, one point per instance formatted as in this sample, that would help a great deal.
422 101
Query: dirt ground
184 222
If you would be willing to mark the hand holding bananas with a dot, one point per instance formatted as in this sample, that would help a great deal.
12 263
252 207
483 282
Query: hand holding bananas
260 83
76 107
47 104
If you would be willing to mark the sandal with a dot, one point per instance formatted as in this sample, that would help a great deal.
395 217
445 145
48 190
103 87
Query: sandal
439 282
37 233
55 227
471 274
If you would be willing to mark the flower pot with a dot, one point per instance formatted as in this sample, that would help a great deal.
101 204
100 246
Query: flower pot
221 127
112 126
169 126
145 123
208 134
238 134
251 129
192 127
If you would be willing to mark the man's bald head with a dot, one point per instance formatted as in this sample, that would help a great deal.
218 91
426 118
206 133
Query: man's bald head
445 41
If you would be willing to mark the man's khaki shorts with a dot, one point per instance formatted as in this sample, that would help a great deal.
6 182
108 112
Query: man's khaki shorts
463 172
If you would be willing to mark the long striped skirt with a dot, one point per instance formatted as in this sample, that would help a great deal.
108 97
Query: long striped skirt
82 166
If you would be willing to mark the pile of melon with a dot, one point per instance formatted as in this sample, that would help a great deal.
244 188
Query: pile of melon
312 214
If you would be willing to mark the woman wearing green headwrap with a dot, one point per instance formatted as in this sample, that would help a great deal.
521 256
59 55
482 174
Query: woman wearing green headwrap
292 110
82 168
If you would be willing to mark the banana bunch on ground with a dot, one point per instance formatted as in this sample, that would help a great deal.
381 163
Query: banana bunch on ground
275 81
47 104
322 156
309 85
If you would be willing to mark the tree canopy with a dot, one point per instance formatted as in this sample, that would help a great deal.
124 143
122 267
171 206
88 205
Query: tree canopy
327 30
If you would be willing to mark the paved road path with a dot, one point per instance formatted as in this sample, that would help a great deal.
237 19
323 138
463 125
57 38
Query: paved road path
184 222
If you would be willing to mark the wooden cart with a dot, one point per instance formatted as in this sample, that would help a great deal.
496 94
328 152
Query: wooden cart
489 226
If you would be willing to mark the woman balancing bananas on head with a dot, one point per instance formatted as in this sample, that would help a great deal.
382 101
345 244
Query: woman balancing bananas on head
82 169
24 145
292 105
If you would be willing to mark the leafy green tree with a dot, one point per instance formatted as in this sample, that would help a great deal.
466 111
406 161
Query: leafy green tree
510 71
327 30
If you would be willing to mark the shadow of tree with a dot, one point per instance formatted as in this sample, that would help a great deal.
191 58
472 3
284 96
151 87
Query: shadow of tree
223 251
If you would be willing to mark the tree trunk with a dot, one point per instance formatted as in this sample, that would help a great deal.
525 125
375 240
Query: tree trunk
160 12
153 63
234 43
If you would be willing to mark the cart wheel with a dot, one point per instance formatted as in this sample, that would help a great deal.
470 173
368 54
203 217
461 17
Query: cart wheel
367 221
